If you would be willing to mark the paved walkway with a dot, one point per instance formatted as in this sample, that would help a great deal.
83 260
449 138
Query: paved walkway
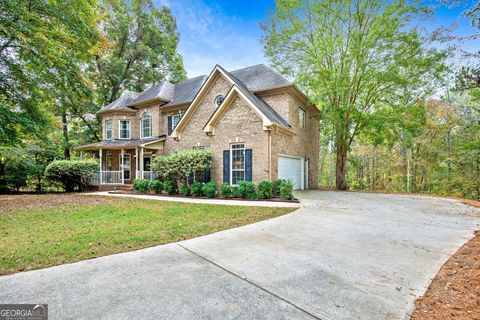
277 204
340 256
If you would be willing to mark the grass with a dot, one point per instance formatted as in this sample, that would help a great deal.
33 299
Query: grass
37 234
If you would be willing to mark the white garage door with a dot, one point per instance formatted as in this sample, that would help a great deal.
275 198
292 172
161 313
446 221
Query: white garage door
290 168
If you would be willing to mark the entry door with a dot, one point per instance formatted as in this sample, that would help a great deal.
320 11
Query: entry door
126 166
291 168
147 159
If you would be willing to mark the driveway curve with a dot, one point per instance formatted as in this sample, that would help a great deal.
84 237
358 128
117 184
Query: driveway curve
342 255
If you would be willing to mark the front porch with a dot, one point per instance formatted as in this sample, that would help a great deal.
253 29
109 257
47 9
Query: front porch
120 162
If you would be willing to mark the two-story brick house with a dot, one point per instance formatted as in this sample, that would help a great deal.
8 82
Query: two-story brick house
258 125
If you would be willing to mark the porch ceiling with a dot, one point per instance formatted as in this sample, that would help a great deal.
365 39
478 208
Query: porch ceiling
122 144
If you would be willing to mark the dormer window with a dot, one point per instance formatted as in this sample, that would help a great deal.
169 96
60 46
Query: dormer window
218 100
108 130
124 128
146 126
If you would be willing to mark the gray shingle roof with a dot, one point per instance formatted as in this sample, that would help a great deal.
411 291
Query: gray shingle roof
163 91
186 91
122 102
260 77
267 110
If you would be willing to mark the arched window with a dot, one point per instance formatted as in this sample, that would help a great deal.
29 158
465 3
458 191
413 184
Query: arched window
146 126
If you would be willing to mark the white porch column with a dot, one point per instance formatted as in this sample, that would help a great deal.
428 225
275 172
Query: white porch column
122 165
136 163
100 156
141 162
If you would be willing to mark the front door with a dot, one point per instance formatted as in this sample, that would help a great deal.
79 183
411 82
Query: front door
126 166
146 162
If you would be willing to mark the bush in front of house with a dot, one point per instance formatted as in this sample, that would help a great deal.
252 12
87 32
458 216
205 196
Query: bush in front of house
265 189
72 173
197 189
276 185
185 190
182 165
226 190
156 185
141 185
209 189
236 192
286 190
170 187
247 190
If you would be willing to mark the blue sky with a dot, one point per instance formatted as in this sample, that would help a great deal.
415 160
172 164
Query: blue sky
228 32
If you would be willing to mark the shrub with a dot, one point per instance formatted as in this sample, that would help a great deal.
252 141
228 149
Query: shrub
277 184
226 190
141 185
236 192
170 187
156 185
247 190
179 166
209 189
265 189
197 189
72 173
185 190
286 190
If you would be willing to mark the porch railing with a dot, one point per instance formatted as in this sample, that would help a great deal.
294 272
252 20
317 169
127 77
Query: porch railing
149 175
111 177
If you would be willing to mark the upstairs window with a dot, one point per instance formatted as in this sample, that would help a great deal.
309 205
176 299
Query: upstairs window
124 128
218 100
301 118
146 126
108 130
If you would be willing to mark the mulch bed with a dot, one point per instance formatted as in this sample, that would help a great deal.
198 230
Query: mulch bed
455 292
192 197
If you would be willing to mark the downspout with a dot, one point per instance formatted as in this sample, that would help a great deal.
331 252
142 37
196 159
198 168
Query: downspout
270 155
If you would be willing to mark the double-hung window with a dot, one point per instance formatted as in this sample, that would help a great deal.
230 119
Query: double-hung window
237 163
175 120
146 126
108 130
301 118
124 128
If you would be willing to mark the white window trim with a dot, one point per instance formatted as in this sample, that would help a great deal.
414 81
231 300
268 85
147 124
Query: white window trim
141 126
231 162
173 116
120 129
121 164
304 124
106 130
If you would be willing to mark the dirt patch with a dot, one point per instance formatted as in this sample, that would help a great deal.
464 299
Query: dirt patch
454 292
11 203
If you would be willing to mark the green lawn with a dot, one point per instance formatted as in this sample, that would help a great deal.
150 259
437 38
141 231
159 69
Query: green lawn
46 230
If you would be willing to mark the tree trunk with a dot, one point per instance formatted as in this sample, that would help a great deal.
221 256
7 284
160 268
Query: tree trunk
403 152
330 163
66 148
341 163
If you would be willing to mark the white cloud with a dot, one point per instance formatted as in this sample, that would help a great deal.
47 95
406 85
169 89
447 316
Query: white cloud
209 36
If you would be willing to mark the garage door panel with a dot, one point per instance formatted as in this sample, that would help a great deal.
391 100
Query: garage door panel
290 168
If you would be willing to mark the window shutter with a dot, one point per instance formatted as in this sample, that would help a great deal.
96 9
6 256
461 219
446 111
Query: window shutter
248 164
169 125
226 166
207 175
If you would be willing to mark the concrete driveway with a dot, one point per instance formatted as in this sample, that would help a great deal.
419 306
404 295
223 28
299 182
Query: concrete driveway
340 256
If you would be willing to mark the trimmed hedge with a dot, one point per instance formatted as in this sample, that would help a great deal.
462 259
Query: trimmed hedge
156 185
286 190
265 189
226 190
209 189
141 185
72 173
185 190
197 189
247 190
170 187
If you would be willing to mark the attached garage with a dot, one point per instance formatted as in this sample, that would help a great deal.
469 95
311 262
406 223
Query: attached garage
291 168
